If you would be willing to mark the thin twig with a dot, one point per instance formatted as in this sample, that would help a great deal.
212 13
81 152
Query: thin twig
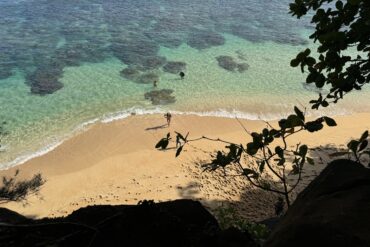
241 124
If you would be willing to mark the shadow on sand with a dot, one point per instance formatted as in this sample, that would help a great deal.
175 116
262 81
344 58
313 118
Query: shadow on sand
215 190
157 127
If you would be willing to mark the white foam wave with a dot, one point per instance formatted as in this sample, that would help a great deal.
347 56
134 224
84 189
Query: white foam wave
28 156
129 112
140 111
232 114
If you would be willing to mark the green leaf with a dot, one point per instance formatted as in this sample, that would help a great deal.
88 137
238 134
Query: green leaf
178 151
279 151
363 145
299 113
364 135
265 132
303 150
165 143
293 121
329 121
310 61
281 162
159 144
310 161
339 5
294 63
282 123
247 172
180 136
352 145
252 148
262 166
240 151
313 126
295 170
324 103
307 52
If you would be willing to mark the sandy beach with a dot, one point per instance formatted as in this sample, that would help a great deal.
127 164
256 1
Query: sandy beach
116 163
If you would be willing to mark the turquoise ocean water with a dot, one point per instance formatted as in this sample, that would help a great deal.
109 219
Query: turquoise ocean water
65 64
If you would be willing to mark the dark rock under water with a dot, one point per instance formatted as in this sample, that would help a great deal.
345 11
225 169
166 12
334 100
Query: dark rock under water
73 32
202 39
174 67
228 63
160 97
45 80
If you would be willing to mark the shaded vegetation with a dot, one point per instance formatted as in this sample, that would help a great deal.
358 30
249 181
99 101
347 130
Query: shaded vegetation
227 217
337 30
360 148
16 191
270 164
340 28
177 223
13 190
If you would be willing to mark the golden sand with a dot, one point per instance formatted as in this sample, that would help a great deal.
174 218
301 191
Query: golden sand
116 163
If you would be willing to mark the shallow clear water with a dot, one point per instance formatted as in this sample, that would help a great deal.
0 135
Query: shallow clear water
61 63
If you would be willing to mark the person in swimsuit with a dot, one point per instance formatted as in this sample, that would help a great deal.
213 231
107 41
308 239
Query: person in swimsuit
168 117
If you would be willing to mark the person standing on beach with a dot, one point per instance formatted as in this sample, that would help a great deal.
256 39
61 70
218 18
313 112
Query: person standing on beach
168 117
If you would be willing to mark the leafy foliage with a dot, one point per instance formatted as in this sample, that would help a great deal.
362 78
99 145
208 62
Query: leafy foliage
360 147
13 190
279 160
227 217
337 28
163 143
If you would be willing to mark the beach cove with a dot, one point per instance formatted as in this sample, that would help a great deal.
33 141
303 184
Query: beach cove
116 163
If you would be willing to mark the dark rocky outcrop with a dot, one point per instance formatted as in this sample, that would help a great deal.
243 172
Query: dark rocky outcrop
133 74
134 52
202 39
130 73
176 223
174 67
147 78
160 97
45 80
242 67
228 63
154 62
334 210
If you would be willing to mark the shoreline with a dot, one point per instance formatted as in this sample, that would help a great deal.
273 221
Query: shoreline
116 163
121 115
